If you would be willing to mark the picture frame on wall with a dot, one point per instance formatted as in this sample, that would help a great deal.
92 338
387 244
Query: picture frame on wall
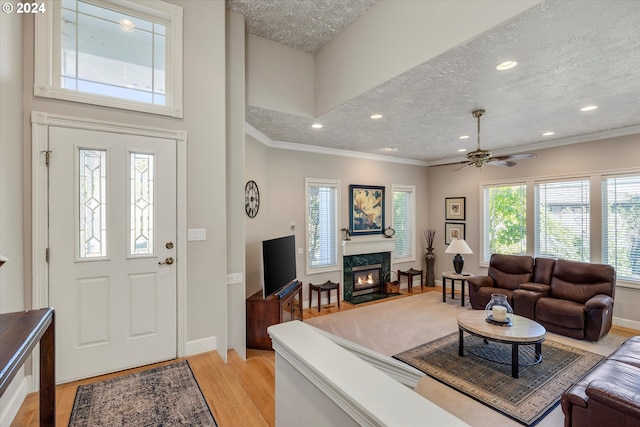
453 230
366 213
455 208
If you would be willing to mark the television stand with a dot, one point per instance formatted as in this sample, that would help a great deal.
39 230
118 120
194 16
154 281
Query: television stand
275 309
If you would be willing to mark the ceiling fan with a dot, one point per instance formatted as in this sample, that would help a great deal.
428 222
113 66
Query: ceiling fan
480 157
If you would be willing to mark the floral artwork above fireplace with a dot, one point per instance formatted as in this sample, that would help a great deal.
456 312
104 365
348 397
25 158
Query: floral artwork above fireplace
366 215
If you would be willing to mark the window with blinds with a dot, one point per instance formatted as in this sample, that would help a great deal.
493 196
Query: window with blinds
621 225
505 220
403 221
322 224
562 219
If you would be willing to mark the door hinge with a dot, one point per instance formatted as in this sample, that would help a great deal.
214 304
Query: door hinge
47 157
46 255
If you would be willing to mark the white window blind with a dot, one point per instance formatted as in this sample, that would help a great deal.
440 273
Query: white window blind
404 221
621 225
322 225
505 220
562 219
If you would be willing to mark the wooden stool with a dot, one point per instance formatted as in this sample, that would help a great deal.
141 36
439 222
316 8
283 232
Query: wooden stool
326 286
410 273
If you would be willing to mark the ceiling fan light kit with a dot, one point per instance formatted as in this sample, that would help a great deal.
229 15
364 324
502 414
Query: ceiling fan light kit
480 157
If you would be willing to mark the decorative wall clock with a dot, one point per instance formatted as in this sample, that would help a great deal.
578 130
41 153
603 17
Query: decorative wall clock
251 199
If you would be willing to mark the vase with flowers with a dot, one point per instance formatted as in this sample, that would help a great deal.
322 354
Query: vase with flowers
430 257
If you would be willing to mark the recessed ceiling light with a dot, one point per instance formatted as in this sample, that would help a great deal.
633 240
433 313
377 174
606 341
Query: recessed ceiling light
391 149
589 108
462 150
548 133
316 125
463 137
376 116
507 65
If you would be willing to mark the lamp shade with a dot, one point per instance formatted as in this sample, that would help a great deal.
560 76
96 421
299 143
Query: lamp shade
458 246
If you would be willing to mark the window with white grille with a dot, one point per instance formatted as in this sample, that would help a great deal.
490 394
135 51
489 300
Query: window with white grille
322 198
120 54
403 221
504 219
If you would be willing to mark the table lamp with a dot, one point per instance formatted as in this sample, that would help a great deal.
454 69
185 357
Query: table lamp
458 247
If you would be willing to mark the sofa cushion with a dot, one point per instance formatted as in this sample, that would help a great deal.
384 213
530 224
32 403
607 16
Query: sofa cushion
629 352
567 314
509 271
580 281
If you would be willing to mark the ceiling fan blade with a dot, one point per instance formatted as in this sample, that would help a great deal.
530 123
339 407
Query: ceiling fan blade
498 162
463 166
515 156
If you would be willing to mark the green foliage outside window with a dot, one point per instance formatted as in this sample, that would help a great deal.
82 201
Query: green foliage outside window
507 219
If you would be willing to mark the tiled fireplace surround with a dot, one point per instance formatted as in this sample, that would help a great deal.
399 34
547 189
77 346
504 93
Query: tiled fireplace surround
364 251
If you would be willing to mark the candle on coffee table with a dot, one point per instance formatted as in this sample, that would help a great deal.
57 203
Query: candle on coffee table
499 313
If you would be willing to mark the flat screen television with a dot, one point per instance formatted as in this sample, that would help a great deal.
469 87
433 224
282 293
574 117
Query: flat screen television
279 264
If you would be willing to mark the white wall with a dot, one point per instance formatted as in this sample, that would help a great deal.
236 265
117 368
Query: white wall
604 155
280 174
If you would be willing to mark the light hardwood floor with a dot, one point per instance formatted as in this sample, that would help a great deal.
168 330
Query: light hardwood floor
239 393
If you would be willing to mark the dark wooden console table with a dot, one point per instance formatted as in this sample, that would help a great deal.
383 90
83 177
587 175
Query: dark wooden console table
264 312
19 333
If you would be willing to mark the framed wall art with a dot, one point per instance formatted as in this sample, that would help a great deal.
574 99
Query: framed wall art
366 214
455 208
453 230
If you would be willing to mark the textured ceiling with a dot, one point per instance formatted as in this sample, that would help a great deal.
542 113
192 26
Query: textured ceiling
570 54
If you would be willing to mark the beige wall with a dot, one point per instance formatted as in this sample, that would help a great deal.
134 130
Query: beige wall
394 36
280 174
205 122
586 158
11 160
279 77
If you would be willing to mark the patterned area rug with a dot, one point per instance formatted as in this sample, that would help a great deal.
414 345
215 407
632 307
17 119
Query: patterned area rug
164 396
525 399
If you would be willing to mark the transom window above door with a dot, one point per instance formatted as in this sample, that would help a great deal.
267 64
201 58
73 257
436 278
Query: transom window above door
119 54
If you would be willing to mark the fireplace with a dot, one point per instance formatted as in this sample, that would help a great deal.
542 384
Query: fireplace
366 279
364 274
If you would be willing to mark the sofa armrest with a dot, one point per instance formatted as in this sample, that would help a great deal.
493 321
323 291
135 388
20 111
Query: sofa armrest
481 281
535 287
615 397
599 301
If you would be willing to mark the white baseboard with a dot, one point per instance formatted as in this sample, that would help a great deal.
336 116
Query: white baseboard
12 399
626 323
201 345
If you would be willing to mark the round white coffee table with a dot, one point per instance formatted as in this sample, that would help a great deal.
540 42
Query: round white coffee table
522 331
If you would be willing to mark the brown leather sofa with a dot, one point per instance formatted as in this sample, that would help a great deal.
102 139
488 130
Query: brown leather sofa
571 298
608 395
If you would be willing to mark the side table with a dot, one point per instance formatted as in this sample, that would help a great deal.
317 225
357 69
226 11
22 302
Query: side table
326 286
410 273
453 276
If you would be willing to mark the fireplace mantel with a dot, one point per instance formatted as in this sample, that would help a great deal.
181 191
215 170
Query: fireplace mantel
372 244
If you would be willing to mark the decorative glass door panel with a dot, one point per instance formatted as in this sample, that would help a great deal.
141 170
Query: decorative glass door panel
92 203
141 204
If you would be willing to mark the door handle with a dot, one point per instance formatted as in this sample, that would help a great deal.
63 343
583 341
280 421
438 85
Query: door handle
167 261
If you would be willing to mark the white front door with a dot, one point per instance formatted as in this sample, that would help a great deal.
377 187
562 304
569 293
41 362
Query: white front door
112 239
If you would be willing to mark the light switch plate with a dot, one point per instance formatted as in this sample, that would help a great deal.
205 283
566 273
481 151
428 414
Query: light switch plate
197 234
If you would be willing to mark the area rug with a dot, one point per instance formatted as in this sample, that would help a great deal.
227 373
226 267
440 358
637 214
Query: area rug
165 396
525 399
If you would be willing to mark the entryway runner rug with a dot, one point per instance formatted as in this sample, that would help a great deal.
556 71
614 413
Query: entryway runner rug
525 399
165 396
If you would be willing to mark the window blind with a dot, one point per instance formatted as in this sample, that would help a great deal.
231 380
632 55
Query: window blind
403 220
321 222
621 225
562 219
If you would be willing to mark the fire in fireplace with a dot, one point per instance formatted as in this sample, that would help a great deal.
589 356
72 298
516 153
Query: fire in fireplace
366 279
